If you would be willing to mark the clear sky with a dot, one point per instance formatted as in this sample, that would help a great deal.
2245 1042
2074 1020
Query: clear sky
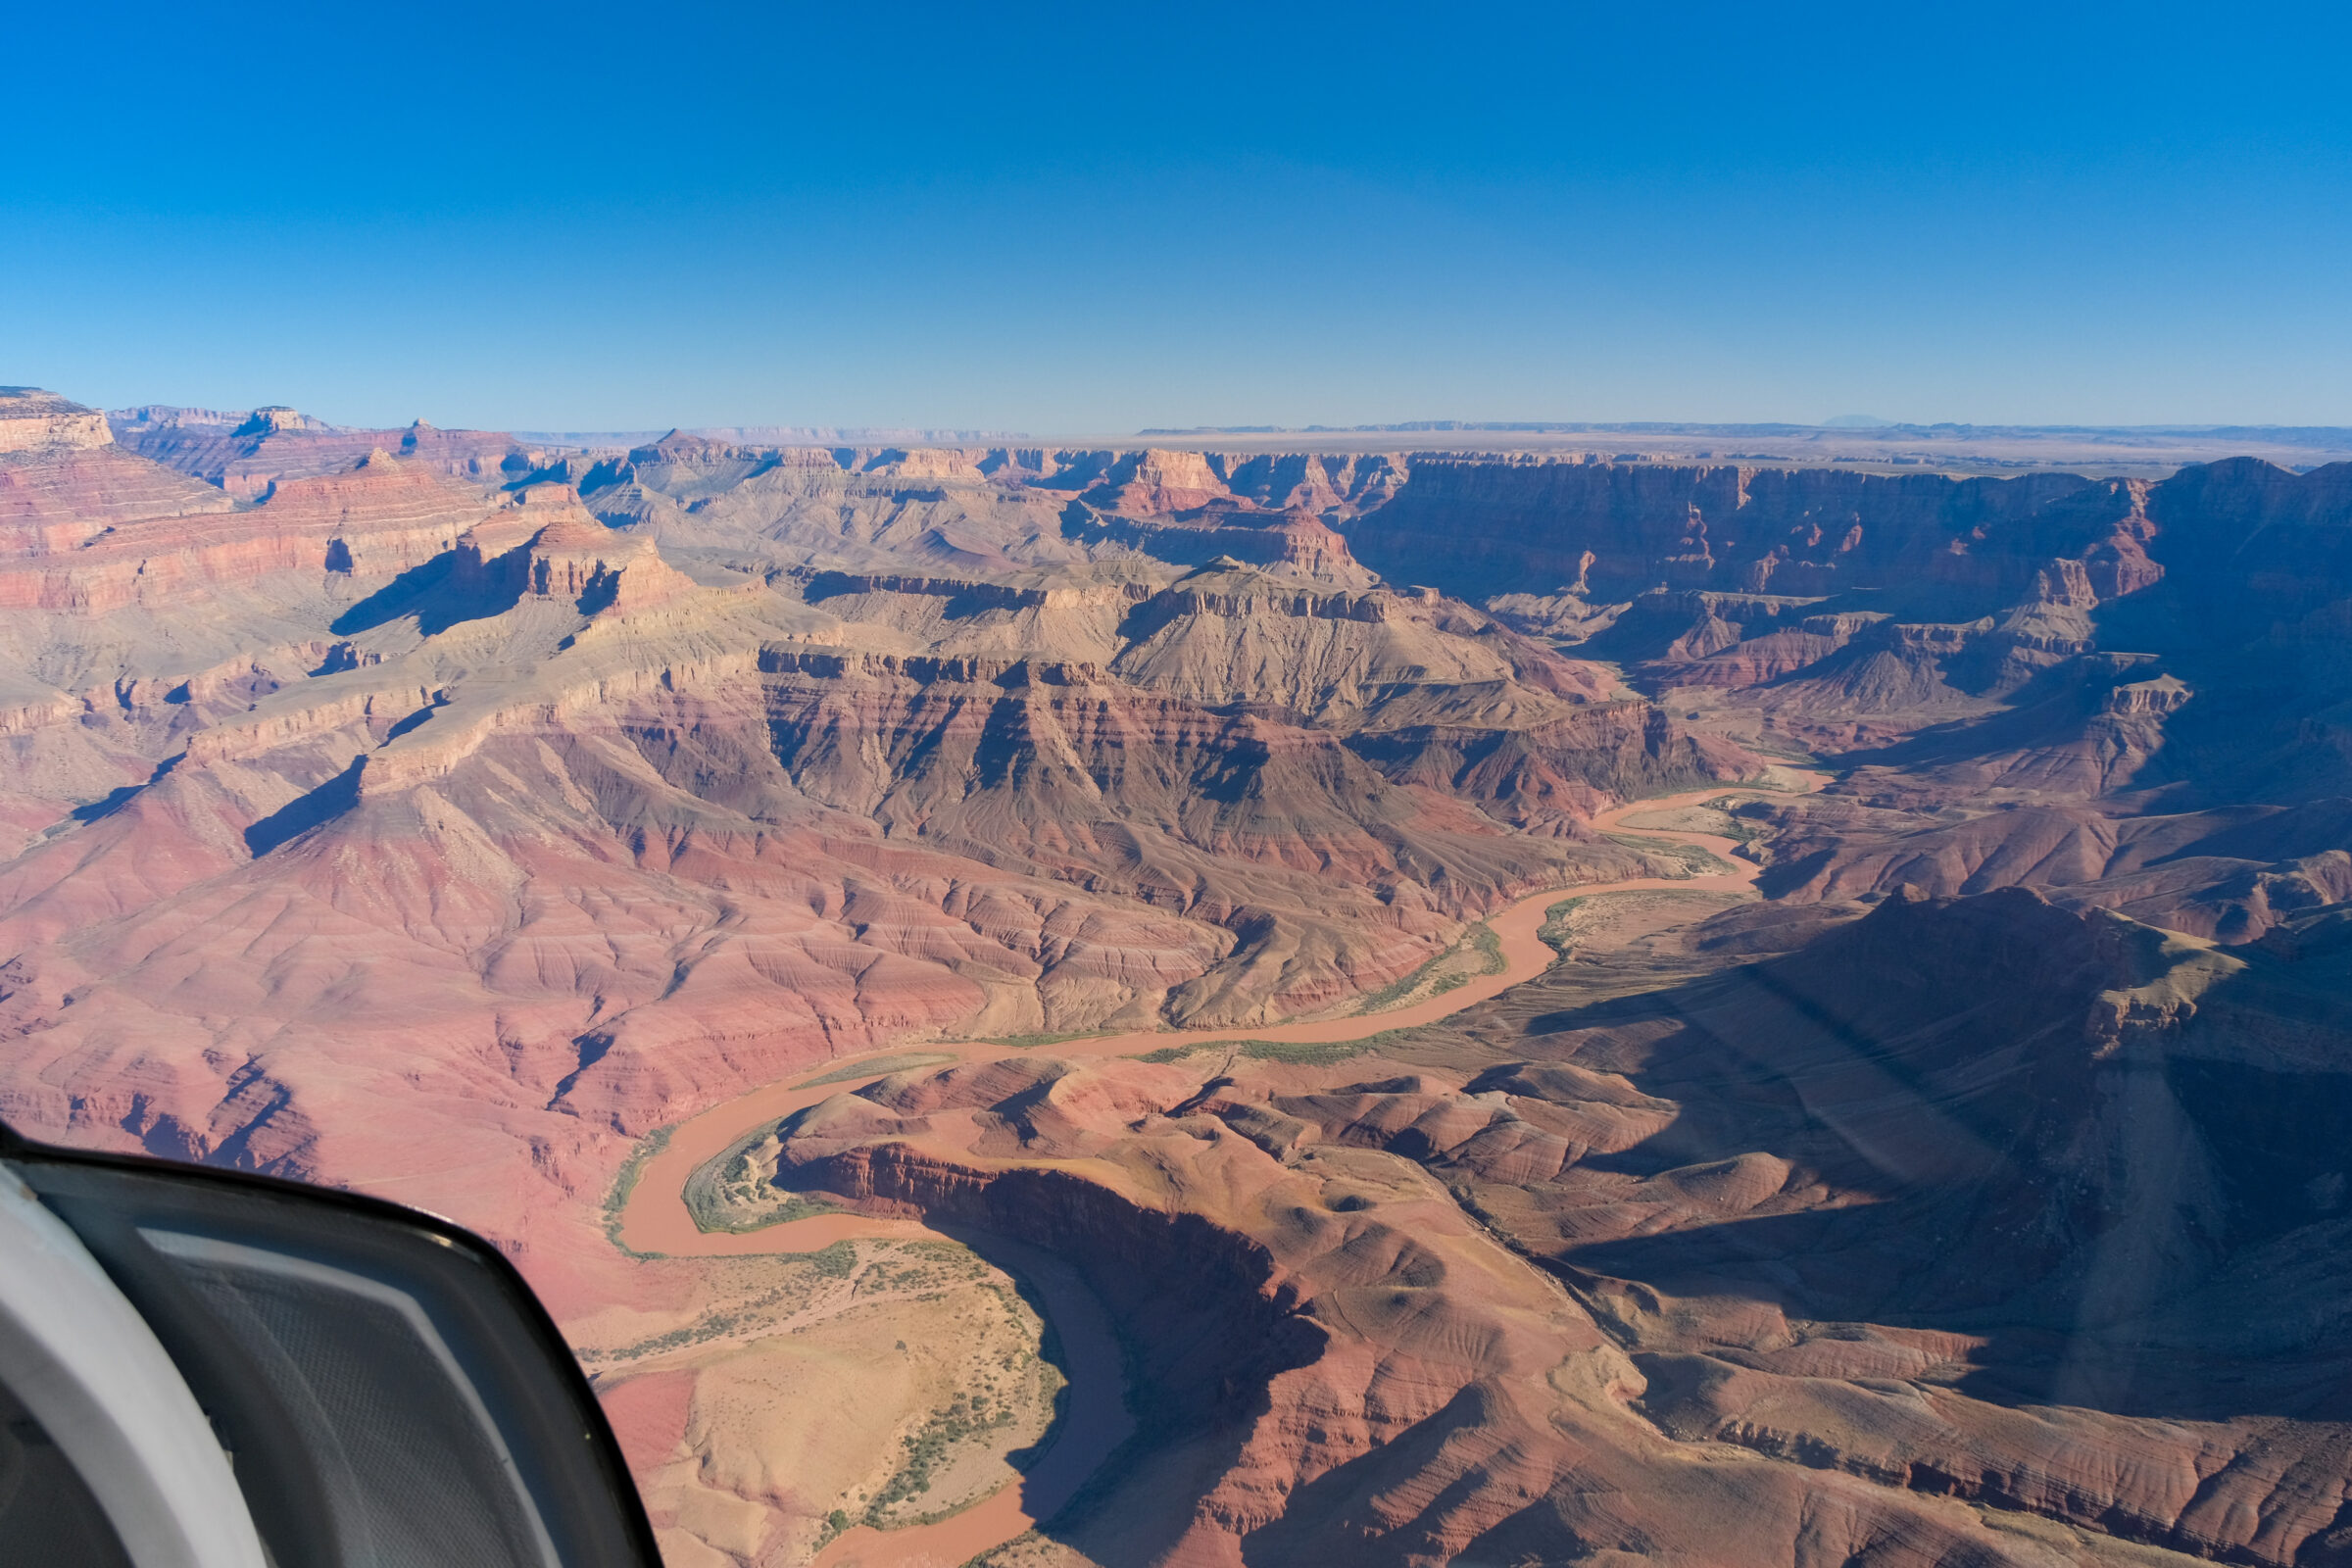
1091 218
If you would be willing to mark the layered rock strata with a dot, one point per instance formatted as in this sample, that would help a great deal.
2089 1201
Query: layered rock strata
388 818
413 811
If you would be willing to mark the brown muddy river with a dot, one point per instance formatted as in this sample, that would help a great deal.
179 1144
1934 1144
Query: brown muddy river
1094 1420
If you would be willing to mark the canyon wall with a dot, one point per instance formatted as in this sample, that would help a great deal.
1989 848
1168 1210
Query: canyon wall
437 814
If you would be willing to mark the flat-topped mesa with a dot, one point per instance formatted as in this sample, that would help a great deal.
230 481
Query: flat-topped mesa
1229 589
1005 674
971 592
1326 484
928 463
1300 540
1153 482
34 420
1295 541
276 418
545 545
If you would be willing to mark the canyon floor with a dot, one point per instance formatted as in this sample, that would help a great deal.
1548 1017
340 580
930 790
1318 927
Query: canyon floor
664 1213
1063 1005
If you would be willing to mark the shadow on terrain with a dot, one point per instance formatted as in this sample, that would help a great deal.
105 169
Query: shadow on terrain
1167 1336
428 593
1080 1341
306 811
115 799
1304 1530
2152 1224
412 720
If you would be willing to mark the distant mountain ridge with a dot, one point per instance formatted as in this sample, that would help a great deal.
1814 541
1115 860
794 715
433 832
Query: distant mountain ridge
783 435
2329 436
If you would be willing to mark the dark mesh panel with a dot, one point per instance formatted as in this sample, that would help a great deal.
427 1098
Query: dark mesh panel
411 1465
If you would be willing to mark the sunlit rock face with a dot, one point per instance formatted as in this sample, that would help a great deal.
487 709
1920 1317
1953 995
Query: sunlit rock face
33 421
340 773
437 814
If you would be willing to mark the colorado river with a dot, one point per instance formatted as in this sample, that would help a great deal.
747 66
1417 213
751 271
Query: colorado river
1095 1421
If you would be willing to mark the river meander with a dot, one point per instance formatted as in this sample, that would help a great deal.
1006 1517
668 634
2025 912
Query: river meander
1093 1420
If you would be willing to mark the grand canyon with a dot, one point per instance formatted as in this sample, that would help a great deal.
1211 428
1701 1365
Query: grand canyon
1435 997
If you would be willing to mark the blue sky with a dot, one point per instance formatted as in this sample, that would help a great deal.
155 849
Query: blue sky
1069 220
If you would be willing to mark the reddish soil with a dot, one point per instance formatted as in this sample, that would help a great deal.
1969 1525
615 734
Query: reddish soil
657 1219
649 1416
